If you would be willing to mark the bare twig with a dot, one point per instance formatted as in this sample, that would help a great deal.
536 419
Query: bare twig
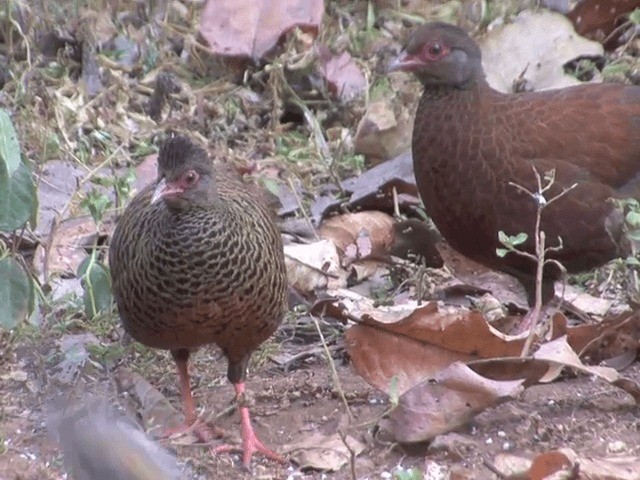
541 251
332 366
302 209
315 269
352 454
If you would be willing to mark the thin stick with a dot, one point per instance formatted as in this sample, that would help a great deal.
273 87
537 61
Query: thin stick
334 371
302 209
352 454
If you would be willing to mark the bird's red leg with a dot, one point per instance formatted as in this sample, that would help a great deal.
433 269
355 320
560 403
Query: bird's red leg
250 442
191 422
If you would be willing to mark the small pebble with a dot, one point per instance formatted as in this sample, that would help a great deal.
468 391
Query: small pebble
617 447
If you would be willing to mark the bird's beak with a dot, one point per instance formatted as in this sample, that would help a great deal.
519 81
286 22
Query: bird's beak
404 63
163 190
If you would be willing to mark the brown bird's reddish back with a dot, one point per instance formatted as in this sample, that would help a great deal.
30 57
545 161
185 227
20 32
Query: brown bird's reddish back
470 142
206 273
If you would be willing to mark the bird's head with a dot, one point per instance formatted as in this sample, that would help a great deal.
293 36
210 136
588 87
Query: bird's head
440 54
185 175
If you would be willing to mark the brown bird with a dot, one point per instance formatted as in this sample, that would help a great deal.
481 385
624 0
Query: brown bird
471 143
196 259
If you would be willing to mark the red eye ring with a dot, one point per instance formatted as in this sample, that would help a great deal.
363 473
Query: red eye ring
435 50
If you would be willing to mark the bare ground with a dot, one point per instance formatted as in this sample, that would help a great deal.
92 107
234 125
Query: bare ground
587 415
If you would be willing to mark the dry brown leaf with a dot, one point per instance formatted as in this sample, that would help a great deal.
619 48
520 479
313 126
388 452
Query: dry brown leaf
383 133
613 338
511 466
68 248
324 452
423 343
156 410
549 463
540 43
245 28
559 354
597 19
146 172
314 266
447 401
57 182
343 76
566 461
373 189
360 235
581 302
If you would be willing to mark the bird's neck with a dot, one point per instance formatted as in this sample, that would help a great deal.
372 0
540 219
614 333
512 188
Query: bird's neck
471 91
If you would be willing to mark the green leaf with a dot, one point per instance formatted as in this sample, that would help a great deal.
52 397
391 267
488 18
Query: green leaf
519 239
501 252
635 16
633 218
9 146
96 203
411 474
96 282
21 199
503 238
632 261
16 293
633 235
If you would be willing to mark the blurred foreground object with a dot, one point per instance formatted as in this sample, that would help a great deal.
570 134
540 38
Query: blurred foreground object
99 445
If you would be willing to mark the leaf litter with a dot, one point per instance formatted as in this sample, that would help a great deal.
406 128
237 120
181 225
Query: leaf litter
305 122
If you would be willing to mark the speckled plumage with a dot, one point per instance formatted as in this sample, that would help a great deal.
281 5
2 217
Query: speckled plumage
211 274
470 141
204 265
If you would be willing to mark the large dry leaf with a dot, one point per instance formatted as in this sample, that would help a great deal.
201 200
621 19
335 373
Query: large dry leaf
423 343
539 45
559 354
614 341
410 356
446 402
246 28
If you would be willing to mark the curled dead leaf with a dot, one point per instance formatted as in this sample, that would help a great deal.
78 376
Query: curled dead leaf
443 403
313 266
360 235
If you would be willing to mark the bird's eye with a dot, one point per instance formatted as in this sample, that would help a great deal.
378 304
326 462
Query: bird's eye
191 177
435 50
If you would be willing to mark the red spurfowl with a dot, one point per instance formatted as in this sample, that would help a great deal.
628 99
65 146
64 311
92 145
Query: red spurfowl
196 259
471 142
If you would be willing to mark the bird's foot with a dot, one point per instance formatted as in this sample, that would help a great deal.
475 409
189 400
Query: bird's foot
250 445
204 432
250 442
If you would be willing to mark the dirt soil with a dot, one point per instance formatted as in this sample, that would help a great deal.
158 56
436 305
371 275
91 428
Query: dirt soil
587 415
